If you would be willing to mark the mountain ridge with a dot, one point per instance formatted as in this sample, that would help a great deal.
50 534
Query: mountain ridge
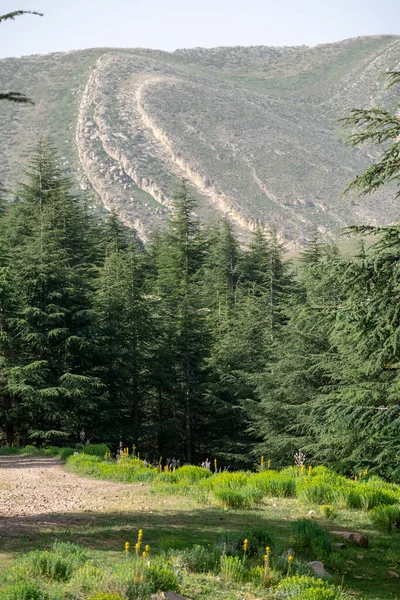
254 138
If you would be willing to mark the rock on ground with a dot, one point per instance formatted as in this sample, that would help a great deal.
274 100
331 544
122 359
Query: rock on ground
319 569
359 538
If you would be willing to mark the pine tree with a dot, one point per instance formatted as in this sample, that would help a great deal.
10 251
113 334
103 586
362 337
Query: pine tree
50 266
124 330
179 257
296 371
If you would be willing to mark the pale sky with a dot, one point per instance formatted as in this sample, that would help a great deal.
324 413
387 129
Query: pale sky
171 24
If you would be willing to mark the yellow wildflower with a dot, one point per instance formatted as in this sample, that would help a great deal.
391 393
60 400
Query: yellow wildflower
269 463
245 545
126 547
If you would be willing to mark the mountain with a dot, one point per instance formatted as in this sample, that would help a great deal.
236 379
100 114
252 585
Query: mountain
251 129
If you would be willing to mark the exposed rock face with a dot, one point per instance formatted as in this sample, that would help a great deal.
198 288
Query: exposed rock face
250 129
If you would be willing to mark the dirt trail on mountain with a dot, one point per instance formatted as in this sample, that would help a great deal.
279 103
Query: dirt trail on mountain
37 493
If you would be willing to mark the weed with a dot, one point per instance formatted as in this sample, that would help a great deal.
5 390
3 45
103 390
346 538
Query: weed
308 588
311 538
386 518
232 568
239 498
95 449
25 591
57 564
328 511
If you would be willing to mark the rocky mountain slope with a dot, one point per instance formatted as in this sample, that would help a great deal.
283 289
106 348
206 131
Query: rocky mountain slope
251 130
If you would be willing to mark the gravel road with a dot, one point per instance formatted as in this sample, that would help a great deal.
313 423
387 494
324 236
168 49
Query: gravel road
37 493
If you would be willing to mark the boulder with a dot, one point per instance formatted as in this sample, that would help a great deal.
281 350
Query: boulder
359 538
319 569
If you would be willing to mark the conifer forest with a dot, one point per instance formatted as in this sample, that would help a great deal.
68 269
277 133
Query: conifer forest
197 345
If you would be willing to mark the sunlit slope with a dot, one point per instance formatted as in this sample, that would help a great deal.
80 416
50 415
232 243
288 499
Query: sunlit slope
251 129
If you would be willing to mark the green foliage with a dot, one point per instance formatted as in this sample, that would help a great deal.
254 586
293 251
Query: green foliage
197 559
386 518
328 511
95 449
25 591
105 596
308 588
158 576
309 536
275 484
242 497
57 564
258 539
233 569
128 470
192 474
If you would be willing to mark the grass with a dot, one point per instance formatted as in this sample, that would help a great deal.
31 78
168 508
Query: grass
201 543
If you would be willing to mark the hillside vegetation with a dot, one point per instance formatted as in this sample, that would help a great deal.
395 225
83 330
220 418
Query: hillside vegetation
250 129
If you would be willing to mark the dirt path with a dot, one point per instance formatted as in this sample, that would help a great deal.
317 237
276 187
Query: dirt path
36 492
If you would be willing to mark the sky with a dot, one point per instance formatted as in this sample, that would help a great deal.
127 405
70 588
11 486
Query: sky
171 24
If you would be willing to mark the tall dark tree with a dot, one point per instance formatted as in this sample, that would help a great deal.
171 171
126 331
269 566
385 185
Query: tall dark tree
179 258
49 262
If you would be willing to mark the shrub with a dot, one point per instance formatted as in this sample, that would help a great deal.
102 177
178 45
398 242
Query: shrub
9 450
168 477
159 576
192 474
24 591
129 469
308 588
328 511
31 451
59 563
274 484
257 539
232 568
227 480
65 453
316 490
365 496
95 449
197 559
239 498
312 537
386 518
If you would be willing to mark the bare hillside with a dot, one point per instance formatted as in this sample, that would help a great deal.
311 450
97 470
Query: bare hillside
251 129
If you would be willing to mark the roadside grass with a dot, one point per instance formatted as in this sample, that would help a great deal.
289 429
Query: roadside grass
188 532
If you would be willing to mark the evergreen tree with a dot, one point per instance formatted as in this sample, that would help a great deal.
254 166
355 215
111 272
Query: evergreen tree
179 256
49 262
124 329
